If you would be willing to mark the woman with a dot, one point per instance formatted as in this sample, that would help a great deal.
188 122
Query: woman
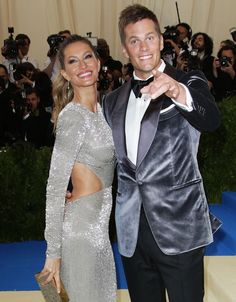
78 247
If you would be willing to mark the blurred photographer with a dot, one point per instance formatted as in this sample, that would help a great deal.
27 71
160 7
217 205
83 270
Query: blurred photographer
52 64
36 125
16 52
9 121
176 38
224 70
111 69
188 60
203 44
105 82
170 37
27 76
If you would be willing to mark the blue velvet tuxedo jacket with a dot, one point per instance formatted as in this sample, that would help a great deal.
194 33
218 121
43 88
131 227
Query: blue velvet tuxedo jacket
165 180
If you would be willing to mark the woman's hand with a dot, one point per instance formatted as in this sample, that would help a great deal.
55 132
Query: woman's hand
52 269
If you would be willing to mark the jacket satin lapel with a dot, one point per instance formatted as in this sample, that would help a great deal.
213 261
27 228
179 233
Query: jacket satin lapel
150 121
148 128
118 121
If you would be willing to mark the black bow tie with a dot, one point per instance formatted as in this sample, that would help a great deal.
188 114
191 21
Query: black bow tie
137 85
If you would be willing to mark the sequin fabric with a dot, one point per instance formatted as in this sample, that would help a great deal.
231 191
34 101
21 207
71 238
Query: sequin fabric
78 231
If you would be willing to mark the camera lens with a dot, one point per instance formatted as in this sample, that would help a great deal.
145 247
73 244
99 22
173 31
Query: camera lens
224 61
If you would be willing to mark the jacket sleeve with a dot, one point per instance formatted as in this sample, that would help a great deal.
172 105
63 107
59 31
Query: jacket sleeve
205 115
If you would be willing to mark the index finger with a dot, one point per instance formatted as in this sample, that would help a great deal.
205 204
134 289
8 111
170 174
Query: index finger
57 282
49 278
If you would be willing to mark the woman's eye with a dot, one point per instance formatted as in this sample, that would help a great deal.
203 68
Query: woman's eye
88 56
71 61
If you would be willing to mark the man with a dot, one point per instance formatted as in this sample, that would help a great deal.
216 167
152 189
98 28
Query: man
52 65
9 120
203 44
23 42
173 47
37 127
162 216
224 69
185 32
111 71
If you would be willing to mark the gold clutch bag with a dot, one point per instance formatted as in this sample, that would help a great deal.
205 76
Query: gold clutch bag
49 290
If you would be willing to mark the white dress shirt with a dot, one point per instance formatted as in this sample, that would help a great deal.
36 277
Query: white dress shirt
135 112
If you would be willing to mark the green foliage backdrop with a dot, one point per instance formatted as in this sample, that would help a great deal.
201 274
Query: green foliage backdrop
23 176
24 172
217 154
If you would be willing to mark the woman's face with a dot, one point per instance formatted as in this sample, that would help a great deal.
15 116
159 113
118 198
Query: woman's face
81 66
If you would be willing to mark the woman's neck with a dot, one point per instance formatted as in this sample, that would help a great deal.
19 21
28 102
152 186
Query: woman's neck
86 96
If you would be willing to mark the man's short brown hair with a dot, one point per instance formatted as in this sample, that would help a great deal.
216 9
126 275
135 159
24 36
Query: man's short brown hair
133 14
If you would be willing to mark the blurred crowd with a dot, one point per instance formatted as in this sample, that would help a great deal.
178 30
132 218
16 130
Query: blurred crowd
26 100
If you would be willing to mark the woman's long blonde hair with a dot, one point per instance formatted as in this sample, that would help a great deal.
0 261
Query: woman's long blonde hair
62 90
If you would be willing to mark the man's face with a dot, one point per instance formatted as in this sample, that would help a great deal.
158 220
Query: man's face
183 33
3 79
143 47
229 54
3 74
32 100
25 48
199 42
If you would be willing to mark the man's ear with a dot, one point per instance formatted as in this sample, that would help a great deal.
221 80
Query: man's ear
124 51
161 43
64 74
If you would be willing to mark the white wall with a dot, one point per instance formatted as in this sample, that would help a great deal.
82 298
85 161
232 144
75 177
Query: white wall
40 18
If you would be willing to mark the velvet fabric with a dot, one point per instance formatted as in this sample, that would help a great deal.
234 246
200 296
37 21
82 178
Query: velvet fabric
166 179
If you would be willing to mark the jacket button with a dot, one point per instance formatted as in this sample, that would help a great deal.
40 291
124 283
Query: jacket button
140 182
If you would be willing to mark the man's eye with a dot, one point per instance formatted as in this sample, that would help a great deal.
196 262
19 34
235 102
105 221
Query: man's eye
134 41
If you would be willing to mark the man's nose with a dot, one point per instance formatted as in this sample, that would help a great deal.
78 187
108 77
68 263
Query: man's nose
143 45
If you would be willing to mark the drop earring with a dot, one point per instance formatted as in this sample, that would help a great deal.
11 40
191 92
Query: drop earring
68 90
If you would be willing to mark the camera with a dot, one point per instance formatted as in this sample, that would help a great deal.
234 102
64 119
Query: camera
170 33
224 61
190 56
11 46
54 42
104 81
18 70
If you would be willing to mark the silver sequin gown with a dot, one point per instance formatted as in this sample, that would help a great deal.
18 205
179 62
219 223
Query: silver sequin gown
78 231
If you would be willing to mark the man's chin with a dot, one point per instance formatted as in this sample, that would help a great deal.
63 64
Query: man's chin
147 67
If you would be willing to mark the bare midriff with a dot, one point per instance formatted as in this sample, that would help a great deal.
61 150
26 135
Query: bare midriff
85 182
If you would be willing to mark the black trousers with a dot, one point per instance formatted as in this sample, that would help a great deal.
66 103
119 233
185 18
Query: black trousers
149 272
